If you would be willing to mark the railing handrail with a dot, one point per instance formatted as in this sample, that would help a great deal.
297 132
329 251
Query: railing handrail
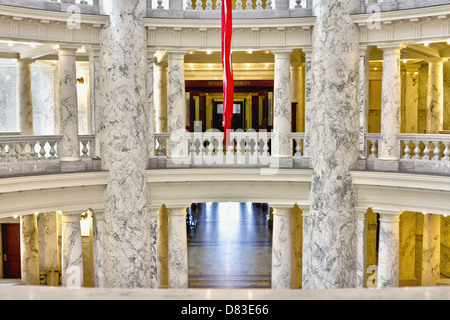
423 137
33 138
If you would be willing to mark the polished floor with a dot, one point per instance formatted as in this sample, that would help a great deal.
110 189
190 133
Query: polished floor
231 246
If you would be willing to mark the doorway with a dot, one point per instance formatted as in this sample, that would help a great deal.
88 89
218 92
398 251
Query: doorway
231 246
11 251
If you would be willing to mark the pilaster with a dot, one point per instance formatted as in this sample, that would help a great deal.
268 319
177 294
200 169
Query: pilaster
178 255
29 250
72 257
431 249
98 244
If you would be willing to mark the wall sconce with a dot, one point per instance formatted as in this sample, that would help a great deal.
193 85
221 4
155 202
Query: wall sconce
80 80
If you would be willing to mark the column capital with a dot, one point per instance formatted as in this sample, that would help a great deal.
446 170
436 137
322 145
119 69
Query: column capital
67 49
25 61
93 51
177 210
282 53
308 52
388 216
392 49
71 216
281 209
176 54
436 60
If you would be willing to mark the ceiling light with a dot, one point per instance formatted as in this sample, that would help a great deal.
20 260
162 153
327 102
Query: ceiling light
426 44
250 51
10 44
208 51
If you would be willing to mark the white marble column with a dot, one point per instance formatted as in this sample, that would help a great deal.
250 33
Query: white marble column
124 113
407 250
388 250
412 99
154 245
68 102
308 107
97 247
160 90
361 254
29 250
25 97
94 95
178 255
363 100
334 147
48 240
281 247
390 104
282 106
297 247
162 251
435 98
151 108
431 249
306 248
72 256
176 107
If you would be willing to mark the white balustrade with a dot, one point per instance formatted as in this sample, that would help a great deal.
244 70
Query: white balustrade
87 146
372 142
29 148
425 147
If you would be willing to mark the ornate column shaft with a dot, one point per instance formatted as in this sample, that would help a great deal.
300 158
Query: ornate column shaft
435 98
407 248
361 254
48 240
308 107
282 104
98 244
412 100
151 108
431 249
281 247
297 248
124 105
154 245
334 147
162 251
29 250
363 100
68 103
390 104
388 250
25 97
178 255
72 257
176 106
161 82
94 91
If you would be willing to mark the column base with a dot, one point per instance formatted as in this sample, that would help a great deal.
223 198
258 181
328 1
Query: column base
73 166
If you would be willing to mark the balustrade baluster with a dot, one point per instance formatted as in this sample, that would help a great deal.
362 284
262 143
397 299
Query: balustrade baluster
52 150
189 5
33 154
298 147
426 151
42 151
259 5
373 149
208 5
407 150
447 151
248 5
268 4
198 5
2 152
238 5
218 5
436 151
417 150
84 150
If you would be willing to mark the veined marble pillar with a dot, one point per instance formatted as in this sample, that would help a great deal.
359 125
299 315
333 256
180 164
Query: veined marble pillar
161 81
29 250
151 108
361 254
297 247
98 244
176 106
124 112
282 105
72 256
48 240
94 92
388 250
390 104
68 103
407 246
306 248
162 251
281 247
154 245
431 249
363 100
178 255
412 100
435 98
333 147
297 94
308 107
25 97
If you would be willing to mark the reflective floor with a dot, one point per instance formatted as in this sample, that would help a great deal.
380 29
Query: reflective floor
231 246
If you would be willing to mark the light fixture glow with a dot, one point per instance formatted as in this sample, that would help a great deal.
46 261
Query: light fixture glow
426 44
208 51
250 51
10 44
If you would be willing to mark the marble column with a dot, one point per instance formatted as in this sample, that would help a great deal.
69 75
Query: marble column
361 254
124 113
97 247
72 256
25 96
297 247
363 100
29 250
388 250
306 248
334 147
390 104
43 99
407 249
162 243
412 99
154 245
176 106
297 94
178 255
308 107
68 102
151 108
282 105
94 95
160 90
281 247
435 98
431 249
48 240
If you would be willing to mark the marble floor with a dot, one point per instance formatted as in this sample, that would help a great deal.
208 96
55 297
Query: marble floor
230 247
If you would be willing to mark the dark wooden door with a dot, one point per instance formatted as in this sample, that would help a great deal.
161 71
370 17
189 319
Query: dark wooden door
11 251
259 110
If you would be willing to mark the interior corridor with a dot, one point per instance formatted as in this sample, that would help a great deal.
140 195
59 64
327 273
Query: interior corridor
231 246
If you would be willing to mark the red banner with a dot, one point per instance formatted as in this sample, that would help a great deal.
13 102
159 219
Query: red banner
228 84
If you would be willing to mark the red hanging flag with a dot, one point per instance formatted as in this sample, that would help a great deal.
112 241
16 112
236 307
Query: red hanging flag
228 83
